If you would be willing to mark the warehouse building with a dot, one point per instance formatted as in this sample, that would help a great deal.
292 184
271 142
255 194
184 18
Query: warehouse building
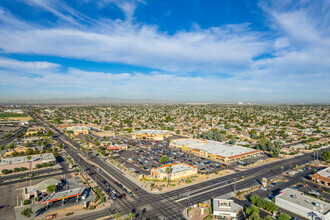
178 171
322 177
78 130
156 135
214 150
302 205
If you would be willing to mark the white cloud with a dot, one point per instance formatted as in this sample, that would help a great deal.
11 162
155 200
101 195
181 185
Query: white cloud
27 66
206 50
168 87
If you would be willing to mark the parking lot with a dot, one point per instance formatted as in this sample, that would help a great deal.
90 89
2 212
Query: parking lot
145 155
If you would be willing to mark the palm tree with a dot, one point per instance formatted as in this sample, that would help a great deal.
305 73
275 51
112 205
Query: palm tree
29 159
168 171
131 215
282 168
117 216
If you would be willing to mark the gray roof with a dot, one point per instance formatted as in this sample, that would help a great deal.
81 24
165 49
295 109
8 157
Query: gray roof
184 142
18 160
225 205
214 147
325 172
298 198
176 168
155 132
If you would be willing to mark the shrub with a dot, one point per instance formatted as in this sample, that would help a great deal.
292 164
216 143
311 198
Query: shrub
91 207
27 212
26 202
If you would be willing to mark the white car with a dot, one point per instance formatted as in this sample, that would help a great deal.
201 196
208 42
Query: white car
84 196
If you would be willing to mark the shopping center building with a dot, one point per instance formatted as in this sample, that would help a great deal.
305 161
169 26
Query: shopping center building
214 150
178 171
322 177
157 135
78 129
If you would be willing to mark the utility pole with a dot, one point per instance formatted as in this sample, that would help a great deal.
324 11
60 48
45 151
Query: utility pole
188 203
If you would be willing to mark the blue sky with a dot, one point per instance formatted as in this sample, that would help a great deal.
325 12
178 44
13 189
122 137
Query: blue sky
186 50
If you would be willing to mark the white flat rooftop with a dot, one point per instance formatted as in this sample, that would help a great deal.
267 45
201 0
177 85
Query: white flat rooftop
214 147
155 132
18 160
176 168
296 197
78 128
325 172
189 141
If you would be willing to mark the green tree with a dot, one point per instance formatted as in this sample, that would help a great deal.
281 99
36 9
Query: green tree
51 188
163 159
252 209
5 171
29 159
39 142
253 134
117 216
28 144
131 215
233 140
27 212
268 217
49 133
29 151
168 170
284 216
326 156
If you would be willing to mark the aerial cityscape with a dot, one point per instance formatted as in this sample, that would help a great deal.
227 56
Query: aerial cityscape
168 110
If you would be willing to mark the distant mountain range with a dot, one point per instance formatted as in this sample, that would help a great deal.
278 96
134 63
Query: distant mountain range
86 100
